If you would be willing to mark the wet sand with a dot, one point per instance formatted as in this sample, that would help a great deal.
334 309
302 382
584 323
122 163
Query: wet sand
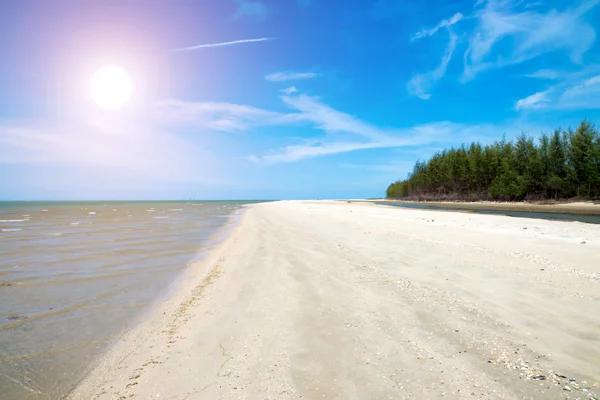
578 208
344 300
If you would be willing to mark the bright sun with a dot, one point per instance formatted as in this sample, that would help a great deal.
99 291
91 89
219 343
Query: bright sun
111 87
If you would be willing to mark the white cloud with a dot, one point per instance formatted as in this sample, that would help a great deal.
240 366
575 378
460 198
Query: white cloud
229 117
300 152
352 134
328 119
575 91
222 44
530 33
443 24
253 159
288 76
442 134
544 74
342 132
437 132
225 117
583 95
98 144
589 84
508 32
421 84
536 100
290 90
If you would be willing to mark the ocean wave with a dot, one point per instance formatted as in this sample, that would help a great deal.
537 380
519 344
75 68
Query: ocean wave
74 223
165 217
176 209
11 229
92 213
13 220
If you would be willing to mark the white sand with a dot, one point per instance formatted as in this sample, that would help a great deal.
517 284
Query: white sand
356 301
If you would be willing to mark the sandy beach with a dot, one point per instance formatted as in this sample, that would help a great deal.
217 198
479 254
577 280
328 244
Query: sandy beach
337 300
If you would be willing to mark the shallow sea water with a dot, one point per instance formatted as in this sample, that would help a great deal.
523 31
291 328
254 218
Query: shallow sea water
75 275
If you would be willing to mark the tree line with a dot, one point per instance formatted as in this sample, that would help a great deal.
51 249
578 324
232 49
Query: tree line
561 165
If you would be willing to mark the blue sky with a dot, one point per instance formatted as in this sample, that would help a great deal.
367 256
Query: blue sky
280 98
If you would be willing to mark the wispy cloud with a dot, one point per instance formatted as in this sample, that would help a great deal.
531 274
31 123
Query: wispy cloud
328 119
222 44
544 74
300 152
584 95
117 145
421 84
225 117
341 132
446 23
347 133
290 90
500 33
441 134
536 100
251 9
532 33
437 132
577 90
289 76
229 117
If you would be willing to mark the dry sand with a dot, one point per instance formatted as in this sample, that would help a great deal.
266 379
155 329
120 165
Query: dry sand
333 300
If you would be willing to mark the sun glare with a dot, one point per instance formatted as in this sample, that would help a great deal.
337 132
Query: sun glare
111 87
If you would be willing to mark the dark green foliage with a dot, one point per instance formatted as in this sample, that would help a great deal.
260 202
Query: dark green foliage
565 164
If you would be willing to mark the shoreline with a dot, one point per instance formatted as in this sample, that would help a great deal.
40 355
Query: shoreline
201 270
218 238
575 208
104 269
326 299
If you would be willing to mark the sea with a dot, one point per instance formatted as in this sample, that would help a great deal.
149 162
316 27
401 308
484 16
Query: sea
75 275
